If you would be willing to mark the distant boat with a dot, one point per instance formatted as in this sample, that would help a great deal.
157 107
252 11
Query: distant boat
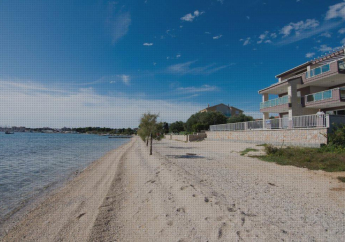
8 132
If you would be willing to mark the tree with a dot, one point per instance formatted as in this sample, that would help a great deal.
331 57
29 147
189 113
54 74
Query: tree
149 129
166 127
240 118
176 127
206 119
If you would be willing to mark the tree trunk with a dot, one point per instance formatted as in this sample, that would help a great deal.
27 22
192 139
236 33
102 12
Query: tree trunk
147 141
151 145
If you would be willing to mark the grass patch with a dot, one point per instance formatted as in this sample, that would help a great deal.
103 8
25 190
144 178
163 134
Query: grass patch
341 178
246 151
327 158
262 145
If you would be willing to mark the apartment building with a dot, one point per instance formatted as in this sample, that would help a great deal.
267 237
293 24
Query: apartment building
304 89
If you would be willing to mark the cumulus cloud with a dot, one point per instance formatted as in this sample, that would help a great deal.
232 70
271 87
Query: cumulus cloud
191 16
299 26
37 105
324 48
217 37
148 44
341 31
336 11
309 55
343 41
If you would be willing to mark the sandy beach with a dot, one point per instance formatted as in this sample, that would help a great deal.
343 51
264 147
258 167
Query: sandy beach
214 195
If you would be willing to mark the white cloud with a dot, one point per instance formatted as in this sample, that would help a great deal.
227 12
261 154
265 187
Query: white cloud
324 48
273 35
326 34
119 26
221 1
125 79
40 106
186 68
299 26
308 33
217 37
178 56
262 37
191 16
268 41
343 41
148 44
248 17
246 41
309 55
341 31
336 11
207 33
204 88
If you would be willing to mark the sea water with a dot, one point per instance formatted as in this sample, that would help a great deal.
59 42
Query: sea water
31 162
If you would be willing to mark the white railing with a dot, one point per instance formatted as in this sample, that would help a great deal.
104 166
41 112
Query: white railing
307 121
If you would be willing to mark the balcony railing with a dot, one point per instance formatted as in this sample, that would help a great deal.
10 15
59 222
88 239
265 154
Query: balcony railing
274 102
306 121
317 71
319 96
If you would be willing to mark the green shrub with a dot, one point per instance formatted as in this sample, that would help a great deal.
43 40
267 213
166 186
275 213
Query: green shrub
270 149
337 136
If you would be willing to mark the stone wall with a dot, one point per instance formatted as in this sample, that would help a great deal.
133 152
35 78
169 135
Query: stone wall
294 137
186 138
196 137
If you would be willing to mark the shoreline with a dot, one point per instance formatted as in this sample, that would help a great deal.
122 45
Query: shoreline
11 219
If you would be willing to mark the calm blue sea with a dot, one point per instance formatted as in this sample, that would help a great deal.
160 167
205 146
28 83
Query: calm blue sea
31 162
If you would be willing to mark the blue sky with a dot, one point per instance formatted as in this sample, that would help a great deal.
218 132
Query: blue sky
104 63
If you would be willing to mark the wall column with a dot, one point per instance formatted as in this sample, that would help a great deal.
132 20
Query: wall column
265 115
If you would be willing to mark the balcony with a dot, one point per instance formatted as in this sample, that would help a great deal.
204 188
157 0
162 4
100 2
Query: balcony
318 71
325 99
280 104
331 73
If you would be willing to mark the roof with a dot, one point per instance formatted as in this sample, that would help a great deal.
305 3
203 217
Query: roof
280 83
294 69
332 55
223 105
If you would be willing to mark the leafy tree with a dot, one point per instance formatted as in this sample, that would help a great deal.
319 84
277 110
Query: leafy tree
206 119
149 129
240 118
198 127
166 127
176 127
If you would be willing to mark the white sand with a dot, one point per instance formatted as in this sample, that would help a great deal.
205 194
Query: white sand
217 196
